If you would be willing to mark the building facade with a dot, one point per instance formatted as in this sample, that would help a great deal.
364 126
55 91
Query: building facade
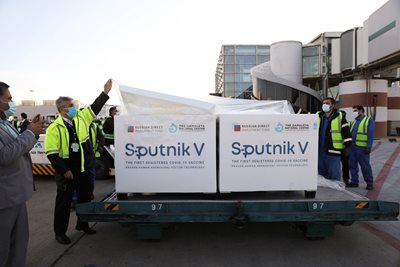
232 78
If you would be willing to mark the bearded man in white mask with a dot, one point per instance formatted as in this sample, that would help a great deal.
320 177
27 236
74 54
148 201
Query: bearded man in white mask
334 139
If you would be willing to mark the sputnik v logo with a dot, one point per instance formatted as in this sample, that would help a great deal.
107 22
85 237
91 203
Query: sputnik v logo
279 127
173 128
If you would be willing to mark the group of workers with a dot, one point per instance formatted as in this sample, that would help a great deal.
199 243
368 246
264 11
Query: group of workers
20 125
346 144
71 146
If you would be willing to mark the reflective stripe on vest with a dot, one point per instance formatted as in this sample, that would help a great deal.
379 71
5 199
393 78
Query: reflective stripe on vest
106 135
95 144
362 132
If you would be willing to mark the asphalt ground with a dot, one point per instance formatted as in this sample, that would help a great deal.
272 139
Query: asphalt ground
269 244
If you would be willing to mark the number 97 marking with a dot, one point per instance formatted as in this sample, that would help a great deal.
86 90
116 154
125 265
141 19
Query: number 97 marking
155 207
318 206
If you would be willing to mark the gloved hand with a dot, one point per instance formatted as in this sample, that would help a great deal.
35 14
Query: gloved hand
346 152
367 150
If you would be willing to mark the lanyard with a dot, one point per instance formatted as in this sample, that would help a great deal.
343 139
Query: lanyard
73 130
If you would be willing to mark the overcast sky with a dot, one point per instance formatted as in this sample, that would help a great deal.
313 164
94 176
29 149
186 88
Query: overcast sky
53 47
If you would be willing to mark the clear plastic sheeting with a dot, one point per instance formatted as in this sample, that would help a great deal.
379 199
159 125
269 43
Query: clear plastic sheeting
234 105
337 185
143 102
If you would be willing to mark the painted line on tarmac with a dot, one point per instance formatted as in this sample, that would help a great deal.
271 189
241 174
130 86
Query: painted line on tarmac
373 194
375 147
388 238
383 174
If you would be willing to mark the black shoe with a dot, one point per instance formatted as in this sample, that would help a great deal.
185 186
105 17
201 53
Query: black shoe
370 187
351 185
86 229
63 239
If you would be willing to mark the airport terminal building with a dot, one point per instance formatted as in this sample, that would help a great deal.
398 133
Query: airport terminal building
360 66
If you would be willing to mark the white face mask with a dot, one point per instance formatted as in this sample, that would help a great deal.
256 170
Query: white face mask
326 107
355 114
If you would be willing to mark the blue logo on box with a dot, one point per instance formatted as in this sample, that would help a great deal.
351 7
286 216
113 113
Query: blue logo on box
279 127
173 128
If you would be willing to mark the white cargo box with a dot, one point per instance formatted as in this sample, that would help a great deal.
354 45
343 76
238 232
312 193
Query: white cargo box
164 144
268 152
165 153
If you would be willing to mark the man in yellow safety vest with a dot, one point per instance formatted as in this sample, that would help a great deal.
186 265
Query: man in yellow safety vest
362 132
334 139
69 149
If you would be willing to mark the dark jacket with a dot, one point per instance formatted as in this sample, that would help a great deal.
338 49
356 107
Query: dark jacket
345 131
24 125
108 129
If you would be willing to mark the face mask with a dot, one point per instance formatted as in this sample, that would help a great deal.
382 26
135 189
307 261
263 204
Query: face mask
326 107
71 112
12 108
355 114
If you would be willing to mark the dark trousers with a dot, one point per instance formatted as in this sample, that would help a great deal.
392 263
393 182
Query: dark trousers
345 168
65 188
360 156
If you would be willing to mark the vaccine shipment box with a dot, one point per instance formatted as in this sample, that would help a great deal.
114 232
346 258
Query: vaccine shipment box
164 144
268 152
165 153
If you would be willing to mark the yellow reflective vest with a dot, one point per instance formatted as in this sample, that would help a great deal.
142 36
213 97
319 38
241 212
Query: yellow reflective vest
95 144
107 135
362 131
336 131
57 136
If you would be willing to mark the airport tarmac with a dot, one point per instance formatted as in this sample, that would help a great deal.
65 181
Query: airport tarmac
269 244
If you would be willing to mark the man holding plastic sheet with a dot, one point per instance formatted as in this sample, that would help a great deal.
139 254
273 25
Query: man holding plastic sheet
334 139
108 127
69 149
362 132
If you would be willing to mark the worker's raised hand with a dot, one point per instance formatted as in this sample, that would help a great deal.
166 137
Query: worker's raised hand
37 125
107 86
